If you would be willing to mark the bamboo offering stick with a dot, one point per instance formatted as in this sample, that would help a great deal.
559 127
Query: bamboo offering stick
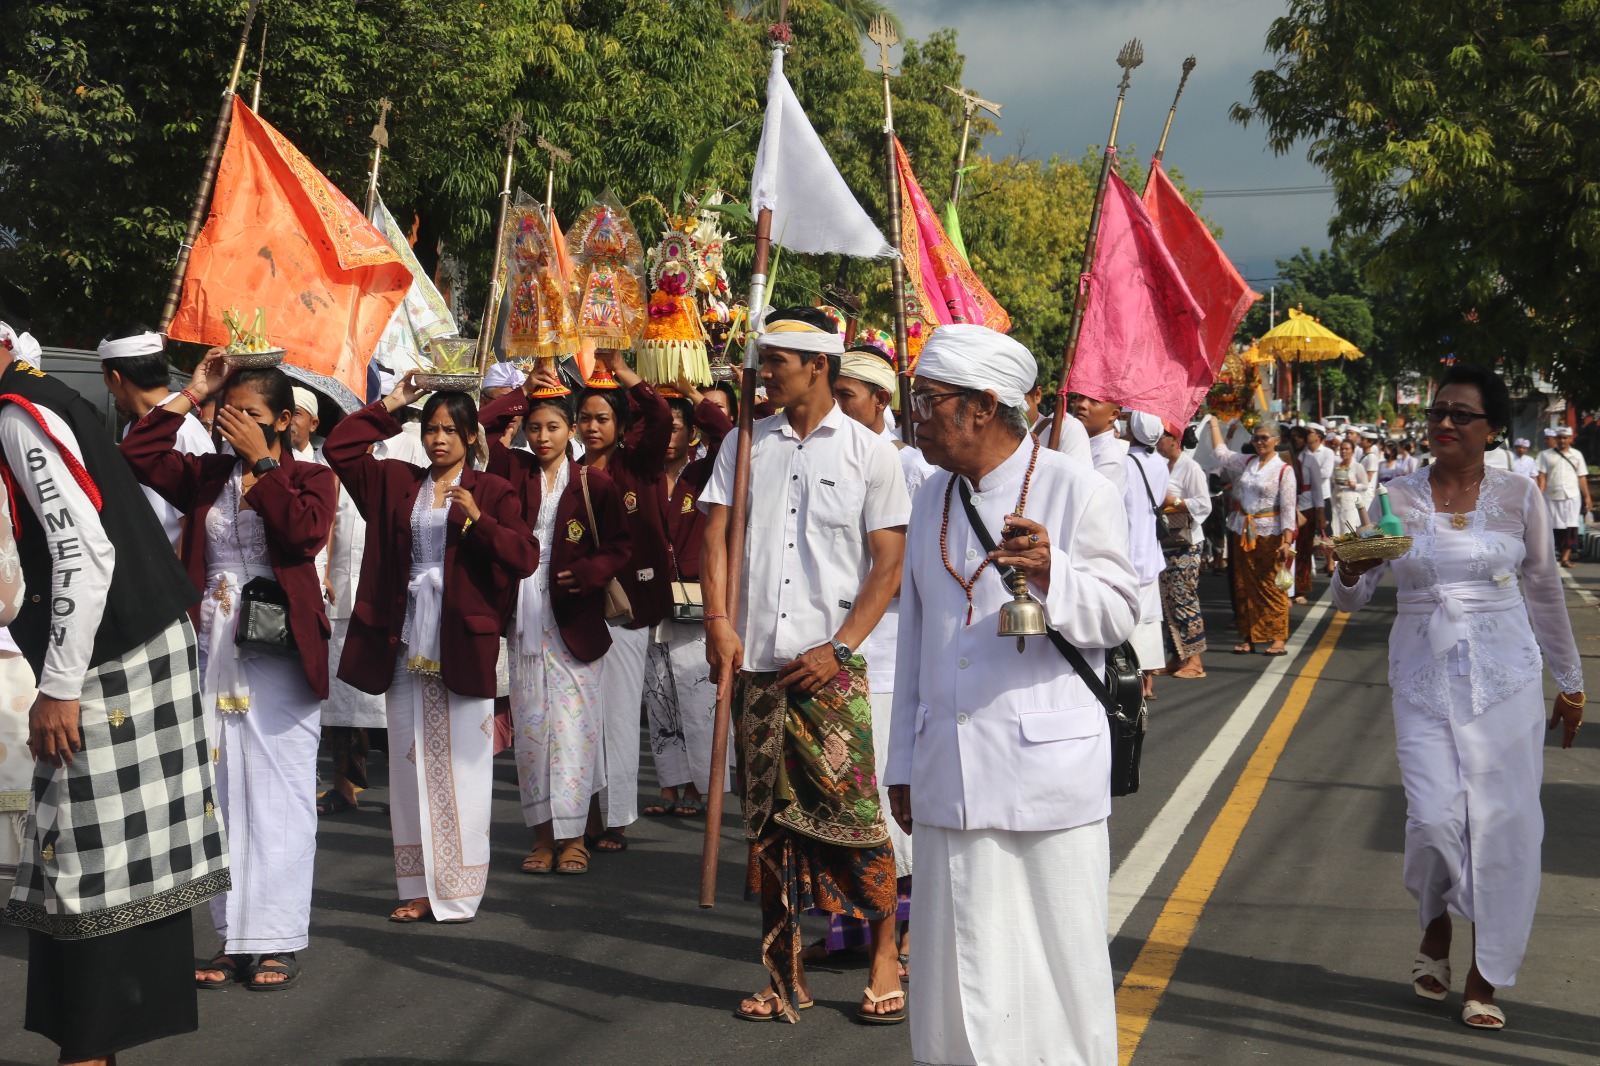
513 131
881 32
1131 56
208 174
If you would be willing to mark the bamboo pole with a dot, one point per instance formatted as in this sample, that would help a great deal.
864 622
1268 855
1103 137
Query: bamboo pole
208 174
261 68
882 32
1172 113
1131 56
380 141
513 131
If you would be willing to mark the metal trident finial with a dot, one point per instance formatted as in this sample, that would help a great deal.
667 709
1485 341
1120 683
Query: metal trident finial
1132 55
555 153
881 32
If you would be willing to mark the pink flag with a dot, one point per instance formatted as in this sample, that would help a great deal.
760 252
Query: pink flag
1210 275
1140 344
941 289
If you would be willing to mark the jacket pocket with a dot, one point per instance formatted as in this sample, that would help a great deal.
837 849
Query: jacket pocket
481 626
1070 723
366 615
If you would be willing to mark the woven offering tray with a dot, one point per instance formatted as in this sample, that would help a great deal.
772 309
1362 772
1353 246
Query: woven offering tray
434 381
255 360
1361 549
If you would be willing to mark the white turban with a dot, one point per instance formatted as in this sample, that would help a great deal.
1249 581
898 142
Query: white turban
1318 427
1523 442
129 347
971 356
503 376
797 335
1550 433
1563 431
306 400
869 368
1146 428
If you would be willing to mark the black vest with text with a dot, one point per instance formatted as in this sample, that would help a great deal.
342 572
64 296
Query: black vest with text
149 588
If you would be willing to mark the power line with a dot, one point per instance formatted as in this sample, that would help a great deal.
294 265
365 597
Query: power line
1282 190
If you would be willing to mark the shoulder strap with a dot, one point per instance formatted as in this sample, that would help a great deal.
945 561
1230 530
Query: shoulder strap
588 504
1070 653
1137 465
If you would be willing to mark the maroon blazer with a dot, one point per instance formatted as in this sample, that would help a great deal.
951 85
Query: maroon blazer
482 564
580 615
685 523
296 503
639 470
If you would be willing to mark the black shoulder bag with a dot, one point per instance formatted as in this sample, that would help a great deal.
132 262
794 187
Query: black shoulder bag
1121 692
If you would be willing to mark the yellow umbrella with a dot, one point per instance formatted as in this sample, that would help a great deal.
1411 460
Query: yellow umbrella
1302 339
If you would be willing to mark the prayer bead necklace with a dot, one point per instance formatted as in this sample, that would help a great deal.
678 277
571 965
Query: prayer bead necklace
944 530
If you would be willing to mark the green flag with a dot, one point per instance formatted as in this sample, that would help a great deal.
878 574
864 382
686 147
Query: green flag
952 229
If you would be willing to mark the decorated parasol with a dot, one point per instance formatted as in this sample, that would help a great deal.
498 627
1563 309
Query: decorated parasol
1300 338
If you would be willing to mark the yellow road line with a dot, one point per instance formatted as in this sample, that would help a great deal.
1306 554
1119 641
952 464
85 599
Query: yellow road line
1146 982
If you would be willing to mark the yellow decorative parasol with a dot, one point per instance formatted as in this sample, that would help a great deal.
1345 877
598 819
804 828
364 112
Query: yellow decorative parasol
1300 338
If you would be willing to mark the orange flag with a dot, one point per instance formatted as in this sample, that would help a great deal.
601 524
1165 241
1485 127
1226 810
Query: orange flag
283 238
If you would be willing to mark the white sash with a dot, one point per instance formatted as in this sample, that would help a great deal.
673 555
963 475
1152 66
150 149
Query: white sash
1449 604
427 608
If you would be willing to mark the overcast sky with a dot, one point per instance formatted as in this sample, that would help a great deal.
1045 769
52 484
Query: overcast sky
1052 64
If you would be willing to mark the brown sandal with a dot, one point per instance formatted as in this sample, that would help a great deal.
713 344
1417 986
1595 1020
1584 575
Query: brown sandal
574 852
543 853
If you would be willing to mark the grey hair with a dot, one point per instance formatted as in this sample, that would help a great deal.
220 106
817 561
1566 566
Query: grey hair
1014 419
1269 427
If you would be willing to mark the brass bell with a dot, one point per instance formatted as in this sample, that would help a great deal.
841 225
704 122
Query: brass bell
1024 615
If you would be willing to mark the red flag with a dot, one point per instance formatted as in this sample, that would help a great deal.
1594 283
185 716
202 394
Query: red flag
1221 293
1140 344
281 237
941 289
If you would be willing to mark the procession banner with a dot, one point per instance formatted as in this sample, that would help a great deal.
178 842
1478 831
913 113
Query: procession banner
422 316
282 238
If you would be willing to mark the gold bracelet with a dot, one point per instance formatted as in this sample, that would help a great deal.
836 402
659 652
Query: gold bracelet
1576 705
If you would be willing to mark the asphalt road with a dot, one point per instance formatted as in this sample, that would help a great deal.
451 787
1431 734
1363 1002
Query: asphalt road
1299 954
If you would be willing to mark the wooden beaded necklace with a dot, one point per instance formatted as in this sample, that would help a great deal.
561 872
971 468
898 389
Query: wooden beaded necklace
944 530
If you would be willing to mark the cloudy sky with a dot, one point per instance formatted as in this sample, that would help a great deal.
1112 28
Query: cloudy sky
1052 64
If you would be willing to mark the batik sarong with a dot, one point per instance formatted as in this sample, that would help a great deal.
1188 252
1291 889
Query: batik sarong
1180 602
1263 607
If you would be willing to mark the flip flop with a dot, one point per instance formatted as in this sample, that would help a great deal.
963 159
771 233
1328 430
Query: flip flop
892 1018
333 802
1438 969
1280 651
1191 677
1244 649
394 916
767 996
1473 1009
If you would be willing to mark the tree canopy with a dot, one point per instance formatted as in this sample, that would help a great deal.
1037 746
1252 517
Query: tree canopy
1462 142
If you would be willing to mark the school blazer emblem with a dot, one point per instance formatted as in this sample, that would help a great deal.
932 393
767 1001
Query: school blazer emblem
630 500
574 530
688 504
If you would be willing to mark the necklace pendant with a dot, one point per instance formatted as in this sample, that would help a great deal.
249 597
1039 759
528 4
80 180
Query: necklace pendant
969 610
1458 521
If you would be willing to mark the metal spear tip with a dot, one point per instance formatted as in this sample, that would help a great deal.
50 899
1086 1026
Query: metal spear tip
1132 54
1188 65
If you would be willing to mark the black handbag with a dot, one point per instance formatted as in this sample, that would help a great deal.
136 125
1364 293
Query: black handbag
1121 692
264 619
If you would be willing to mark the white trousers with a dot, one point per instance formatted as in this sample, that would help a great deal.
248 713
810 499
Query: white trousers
680 700
621 698
266 781
882 705
441 782
1011 964
1473 821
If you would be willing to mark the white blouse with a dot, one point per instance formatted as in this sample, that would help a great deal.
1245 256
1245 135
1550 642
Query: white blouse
1461 609
1188 483
1266 491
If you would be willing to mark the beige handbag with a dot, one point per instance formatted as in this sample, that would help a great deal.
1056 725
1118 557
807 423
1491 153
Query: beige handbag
619 612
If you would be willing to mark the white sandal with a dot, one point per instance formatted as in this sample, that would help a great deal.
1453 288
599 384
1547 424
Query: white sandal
1474 1009
1438 969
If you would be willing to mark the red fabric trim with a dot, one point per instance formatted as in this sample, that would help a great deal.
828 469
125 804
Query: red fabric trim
74 464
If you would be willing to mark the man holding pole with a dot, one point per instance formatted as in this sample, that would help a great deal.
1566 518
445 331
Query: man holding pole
826 533
998 760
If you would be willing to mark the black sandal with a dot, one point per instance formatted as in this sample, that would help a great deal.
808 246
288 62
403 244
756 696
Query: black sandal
611 836
333 802
224 962
688 808
287 965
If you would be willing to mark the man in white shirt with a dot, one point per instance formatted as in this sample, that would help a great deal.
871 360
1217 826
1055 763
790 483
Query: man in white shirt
824 541
1564 480
998 761
1524 464
1142 498
1098 419
137 383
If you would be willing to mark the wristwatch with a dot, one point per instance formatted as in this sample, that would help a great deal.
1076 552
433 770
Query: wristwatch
842 652
263 465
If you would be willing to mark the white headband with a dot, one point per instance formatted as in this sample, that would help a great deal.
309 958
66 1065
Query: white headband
868 368
503 376
128 347
1549 432
1523 442
797 336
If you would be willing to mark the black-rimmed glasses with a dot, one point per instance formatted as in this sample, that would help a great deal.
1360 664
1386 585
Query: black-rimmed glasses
1437 415
922 402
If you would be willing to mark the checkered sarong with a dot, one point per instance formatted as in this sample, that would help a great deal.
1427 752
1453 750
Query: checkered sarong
129 832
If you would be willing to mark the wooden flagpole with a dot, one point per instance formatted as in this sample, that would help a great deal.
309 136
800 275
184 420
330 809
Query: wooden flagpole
1172 113
208 174
1131 56
881 32
380 141
738 514
513 131
550 178
970 102
261 68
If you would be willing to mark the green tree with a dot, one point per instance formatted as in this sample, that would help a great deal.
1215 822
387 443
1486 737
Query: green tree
1462 142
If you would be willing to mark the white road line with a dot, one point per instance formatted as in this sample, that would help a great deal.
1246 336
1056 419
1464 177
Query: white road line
1133 878
1583 594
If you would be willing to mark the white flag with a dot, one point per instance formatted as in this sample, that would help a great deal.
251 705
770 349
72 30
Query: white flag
421 317
813 210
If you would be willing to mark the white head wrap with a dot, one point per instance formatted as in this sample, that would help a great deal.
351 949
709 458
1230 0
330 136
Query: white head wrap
24 347
971 356
1318 427
1550 433
1564 431
797 336
503 376
306 400
128 347
1146 428
869 368
1523 442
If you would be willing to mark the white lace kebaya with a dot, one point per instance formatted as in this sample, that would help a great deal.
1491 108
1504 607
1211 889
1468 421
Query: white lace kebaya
1461 602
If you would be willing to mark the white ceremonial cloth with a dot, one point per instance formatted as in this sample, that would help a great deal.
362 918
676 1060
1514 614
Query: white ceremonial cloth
813 502
192 440
813 210
1011 964
1561 490
1464 666
986 737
